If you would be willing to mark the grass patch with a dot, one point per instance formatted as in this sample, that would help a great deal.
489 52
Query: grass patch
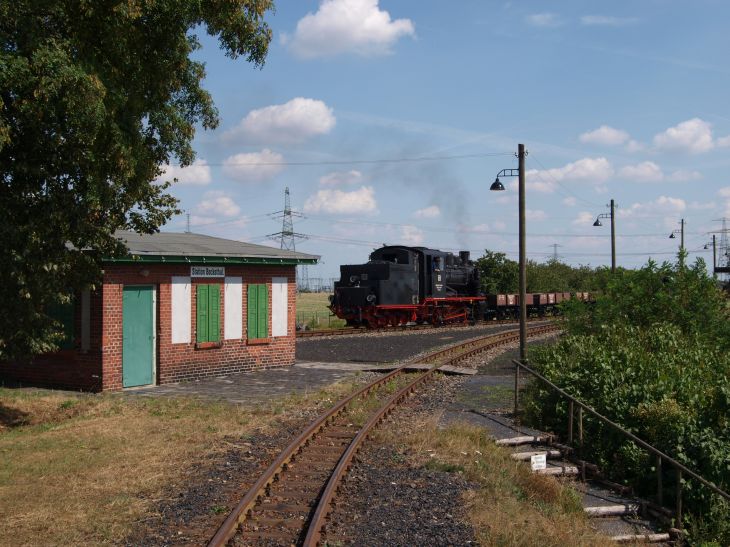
509 505
313 311
80 470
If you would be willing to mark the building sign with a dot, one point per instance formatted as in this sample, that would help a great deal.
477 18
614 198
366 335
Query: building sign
538 461
207 271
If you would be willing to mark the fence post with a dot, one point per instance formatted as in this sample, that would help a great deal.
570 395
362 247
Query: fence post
580 425
659 492
517 390
570 421
679 499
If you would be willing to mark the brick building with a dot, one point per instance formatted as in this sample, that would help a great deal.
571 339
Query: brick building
178 307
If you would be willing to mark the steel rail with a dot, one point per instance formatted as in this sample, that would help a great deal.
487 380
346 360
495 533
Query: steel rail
238 515
324 507
228 529
402 328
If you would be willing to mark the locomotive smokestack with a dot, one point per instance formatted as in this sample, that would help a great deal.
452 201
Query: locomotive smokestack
464 256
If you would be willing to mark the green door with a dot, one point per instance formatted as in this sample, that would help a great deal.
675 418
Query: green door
137 336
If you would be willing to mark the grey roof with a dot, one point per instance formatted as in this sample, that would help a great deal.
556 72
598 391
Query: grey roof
172 244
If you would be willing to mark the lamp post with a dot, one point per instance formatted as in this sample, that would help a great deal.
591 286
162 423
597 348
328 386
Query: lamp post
498 186
714 255
613 233
681 241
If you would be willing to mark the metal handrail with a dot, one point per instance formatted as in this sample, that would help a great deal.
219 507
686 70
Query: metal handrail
681 469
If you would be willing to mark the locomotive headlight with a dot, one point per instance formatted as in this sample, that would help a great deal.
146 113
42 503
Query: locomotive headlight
370 298
353 278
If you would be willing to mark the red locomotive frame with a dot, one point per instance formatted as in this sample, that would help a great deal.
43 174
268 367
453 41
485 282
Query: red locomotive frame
437 311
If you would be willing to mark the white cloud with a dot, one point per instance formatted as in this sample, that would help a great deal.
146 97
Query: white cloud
664 207
292 122
698 206
634 146
499 225
646 171
724 192
723 142
684 175
197 174
347 26
584 218
693 136
410 235
253 166
591 170
569 201
339 202
217 203
605 135
607 20
428 212
341 178
543 20
535 215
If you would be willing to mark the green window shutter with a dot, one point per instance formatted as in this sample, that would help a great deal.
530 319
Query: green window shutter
64 314
214 307
202 313
263 311
251 311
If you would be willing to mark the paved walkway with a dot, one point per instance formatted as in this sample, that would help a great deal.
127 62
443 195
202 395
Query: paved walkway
259 385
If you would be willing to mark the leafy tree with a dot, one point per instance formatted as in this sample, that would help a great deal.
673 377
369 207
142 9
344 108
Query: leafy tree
501 275
498 273
652 355
95 95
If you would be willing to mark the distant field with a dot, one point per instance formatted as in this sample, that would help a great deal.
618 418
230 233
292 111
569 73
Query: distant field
312 310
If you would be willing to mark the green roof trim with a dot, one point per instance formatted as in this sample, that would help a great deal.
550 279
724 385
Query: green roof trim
212 260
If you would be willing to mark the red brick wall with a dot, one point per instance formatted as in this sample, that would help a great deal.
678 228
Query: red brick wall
67 369
101 367
176 362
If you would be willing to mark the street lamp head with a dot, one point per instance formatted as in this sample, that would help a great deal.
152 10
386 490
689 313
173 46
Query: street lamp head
598 222
671 236
705 247
497 185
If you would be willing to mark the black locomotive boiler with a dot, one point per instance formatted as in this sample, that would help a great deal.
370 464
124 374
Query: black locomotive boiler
400 285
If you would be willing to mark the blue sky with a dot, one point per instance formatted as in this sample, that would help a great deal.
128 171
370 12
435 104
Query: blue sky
388 121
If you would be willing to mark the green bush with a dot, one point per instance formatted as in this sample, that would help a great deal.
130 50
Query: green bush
651 355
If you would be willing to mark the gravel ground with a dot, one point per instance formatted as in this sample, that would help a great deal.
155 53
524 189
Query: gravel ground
388 348
385 501
189 511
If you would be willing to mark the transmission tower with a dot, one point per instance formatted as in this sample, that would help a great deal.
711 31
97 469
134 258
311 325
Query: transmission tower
556 256
288 237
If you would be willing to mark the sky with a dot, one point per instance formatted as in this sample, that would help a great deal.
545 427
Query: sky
389 119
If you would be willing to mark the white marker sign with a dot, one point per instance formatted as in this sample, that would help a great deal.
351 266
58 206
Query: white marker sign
207 271
538 461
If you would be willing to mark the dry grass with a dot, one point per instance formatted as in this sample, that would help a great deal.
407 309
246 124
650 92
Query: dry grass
511 506
81 470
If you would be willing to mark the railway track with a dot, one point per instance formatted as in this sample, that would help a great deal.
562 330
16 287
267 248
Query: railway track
289 503
403 328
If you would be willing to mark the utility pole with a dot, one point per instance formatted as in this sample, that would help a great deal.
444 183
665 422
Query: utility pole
523 254
714 257
187 225
613 238
612 216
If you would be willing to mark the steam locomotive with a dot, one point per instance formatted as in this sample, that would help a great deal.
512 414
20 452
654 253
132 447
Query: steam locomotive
400 285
